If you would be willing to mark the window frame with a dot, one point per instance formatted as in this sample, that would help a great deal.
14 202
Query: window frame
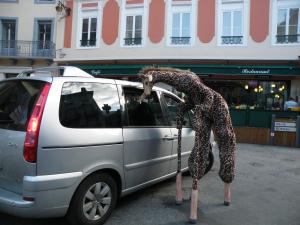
16 20
249 95
44 2
36 29
89 31
20 84
231 6
9 1
83 83
89 13
283 4
133 10
35 49
125 119
166 111
45 23
134 17
181 7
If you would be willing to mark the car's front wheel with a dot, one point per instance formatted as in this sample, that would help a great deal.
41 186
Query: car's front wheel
93 201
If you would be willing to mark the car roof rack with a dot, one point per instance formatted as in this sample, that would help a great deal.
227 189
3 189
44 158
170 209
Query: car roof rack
60 71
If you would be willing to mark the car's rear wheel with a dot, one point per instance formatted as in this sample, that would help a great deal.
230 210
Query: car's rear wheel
93 201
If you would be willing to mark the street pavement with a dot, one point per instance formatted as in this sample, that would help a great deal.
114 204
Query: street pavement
266 191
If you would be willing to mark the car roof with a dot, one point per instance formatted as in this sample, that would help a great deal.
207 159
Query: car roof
71 73
55 71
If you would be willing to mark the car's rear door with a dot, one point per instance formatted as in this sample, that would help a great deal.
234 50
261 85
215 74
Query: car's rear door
17 100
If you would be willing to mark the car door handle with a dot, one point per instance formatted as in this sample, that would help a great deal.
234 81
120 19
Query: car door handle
175 136
168 138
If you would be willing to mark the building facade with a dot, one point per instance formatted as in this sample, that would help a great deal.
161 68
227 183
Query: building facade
248 50
27 35
244 39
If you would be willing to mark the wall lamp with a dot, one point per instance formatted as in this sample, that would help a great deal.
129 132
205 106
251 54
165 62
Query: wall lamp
60 7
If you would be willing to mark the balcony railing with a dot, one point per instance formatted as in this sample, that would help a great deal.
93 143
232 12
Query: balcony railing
232 40
132 41
180 40
87 43
287 39
27 49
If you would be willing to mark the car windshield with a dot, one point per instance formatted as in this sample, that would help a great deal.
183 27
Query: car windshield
17 99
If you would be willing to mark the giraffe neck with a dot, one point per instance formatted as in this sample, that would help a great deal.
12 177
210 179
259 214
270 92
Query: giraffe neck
181 81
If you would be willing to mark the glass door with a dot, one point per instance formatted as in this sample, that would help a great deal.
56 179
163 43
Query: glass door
43 44
8 43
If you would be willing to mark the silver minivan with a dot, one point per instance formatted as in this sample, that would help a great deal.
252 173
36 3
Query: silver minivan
72 144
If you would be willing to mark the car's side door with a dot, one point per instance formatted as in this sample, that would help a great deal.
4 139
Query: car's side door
188 134
147 138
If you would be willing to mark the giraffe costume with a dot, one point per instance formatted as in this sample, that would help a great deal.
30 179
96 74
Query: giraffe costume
210 111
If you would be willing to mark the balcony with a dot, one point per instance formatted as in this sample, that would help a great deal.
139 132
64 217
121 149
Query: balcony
288 39
87 43
232 40
180 40
27 49
132 41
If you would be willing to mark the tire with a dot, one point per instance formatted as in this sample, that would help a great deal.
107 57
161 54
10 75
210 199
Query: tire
93 201
209 162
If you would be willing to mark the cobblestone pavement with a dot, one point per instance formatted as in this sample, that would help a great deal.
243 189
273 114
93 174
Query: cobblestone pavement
266 191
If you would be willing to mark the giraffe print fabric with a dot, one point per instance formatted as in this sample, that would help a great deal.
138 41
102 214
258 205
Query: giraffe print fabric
210 112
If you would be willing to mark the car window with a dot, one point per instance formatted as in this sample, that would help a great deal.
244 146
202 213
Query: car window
147 113
172 107
17 99
89 105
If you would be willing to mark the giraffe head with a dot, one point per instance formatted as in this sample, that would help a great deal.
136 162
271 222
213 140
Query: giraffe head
148 82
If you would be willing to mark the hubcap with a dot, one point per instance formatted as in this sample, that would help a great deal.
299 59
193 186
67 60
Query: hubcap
97 201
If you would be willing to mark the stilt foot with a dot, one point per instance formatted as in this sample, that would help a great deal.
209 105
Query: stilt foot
194 206
227 194
226 203
179 202
192 221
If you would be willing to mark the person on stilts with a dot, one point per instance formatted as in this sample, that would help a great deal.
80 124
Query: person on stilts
210 111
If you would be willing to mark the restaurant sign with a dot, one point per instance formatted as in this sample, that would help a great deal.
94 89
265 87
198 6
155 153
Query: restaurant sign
256 71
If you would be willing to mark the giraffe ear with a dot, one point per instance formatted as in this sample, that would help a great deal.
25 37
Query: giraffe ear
142 76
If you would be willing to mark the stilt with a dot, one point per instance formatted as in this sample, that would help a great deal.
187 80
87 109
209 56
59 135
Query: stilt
194 203
179 195
227 194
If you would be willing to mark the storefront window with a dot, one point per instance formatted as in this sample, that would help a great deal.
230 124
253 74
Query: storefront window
252 94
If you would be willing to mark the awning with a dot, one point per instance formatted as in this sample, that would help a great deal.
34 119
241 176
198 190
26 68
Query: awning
202 70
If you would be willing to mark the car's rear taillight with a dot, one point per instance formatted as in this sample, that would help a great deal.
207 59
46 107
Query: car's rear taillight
33 127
